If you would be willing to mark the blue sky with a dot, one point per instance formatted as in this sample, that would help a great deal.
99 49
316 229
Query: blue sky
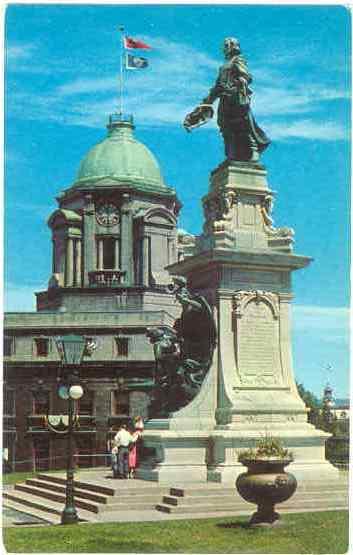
62 66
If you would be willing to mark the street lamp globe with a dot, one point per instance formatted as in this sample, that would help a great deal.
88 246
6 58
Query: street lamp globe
75 392
63 392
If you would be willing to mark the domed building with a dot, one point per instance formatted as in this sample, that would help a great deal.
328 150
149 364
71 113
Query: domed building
113 235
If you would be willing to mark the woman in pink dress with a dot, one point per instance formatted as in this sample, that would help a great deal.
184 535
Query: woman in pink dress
133 453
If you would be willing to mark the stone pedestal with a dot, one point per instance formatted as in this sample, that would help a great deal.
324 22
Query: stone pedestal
242 265
178 456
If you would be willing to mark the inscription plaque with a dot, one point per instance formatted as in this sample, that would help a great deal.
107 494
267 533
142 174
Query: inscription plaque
257 346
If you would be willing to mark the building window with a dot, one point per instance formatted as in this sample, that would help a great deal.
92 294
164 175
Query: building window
109 253
41 403
41 346
9 345
9 402
122 346
106 253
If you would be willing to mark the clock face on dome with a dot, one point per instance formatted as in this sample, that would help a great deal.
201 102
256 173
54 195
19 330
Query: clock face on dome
107 214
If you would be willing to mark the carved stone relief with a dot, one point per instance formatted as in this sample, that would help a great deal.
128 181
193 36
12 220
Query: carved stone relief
218 211
270 230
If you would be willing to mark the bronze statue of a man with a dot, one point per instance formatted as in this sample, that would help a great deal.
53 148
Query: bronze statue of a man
243 138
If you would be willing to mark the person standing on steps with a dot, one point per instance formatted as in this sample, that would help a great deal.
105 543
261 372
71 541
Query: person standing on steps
135 435
122 441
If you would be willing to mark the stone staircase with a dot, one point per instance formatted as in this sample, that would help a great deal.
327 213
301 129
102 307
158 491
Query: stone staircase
210 498
44 496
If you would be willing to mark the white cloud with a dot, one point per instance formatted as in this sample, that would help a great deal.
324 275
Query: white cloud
16 52
178 77
82 86
322 319
307 129
277 100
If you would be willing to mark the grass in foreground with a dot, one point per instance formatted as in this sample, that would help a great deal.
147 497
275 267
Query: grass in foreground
15 477
322 532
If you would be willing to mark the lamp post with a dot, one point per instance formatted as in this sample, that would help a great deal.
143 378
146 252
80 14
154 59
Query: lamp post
71 349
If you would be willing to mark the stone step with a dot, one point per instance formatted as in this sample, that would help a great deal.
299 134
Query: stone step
135 506
235 498
57 479
244 506
31 501
48 518
121 486
199 499
212 490
202 491
124 499
52 496
79 492
49 508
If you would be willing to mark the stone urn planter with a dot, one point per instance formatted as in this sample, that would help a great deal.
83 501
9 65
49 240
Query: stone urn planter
266 483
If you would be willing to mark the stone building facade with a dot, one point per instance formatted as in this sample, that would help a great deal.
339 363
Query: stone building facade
113 234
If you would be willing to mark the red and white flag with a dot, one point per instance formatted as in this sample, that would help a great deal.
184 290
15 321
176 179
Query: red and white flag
135 43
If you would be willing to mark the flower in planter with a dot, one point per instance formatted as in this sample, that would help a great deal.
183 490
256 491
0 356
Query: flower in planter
266 448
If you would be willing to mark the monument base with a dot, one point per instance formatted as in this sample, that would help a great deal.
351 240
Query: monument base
178 457
306 443
201 456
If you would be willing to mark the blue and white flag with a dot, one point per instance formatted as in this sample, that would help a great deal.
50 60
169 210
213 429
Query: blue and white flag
135 62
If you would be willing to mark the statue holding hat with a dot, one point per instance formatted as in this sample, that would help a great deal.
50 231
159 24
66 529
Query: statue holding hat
243 139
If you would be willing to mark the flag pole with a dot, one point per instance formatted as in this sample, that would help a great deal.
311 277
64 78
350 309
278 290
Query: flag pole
121 29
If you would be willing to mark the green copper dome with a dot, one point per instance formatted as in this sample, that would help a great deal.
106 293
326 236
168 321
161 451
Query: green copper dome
121 159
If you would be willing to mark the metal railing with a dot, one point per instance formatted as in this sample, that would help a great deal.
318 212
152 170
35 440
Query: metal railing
38 422
105 278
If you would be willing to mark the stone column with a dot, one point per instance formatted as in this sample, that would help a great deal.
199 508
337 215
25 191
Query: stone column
127 258
69 262
89 246
100 254
171 259
117 253
54 263
145 261
78 280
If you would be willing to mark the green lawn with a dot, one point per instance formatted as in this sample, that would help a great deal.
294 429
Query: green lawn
15 477
321 532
